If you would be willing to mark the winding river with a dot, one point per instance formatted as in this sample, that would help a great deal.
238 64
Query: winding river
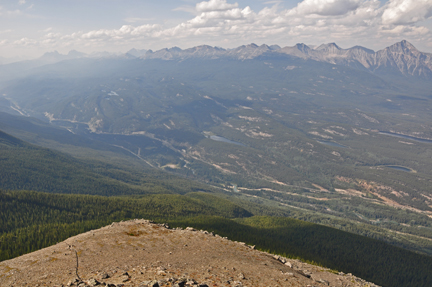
406 137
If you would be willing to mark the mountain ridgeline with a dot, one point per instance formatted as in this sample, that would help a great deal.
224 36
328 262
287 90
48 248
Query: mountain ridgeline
402 56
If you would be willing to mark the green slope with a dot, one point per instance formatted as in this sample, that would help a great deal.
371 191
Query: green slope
26 166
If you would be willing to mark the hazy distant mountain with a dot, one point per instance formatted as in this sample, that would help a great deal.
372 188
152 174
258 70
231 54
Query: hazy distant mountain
400 58
54 57
136 53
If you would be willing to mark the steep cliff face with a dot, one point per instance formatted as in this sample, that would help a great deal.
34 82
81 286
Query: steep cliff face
140 253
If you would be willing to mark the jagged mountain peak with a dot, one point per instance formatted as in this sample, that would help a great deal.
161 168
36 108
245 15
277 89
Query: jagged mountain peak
136 53
328 47
55 52
52 56
203 48
405 58
402 47
361 48
303 47
175 49
275 47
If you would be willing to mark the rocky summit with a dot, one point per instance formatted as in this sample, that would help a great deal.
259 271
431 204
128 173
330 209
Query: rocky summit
142 253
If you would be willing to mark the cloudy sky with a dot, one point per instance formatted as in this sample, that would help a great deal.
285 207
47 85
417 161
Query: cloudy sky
28 28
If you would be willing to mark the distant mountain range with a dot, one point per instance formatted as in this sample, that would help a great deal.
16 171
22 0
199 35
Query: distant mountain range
399 58
402 56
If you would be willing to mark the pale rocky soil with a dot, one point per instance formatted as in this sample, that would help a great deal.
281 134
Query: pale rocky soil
140 253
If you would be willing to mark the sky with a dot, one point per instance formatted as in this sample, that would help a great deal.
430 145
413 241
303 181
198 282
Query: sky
29 28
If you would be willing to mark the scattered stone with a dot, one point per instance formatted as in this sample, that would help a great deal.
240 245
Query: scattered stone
191 282
323 281
93 282
124 278
301 272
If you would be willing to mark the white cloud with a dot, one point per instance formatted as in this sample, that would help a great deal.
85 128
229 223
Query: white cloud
326 7
21 2
407 11
125 32
26 42
214 5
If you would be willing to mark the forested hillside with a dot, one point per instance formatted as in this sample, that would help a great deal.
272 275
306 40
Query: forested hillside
26 166
33 220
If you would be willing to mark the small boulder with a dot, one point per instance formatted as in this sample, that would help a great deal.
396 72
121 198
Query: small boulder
93 282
